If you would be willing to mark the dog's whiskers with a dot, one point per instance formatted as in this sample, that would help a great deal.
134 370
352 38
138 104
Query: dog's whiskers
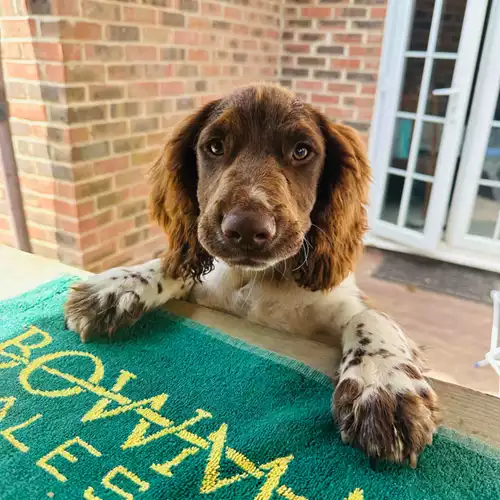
306 246
250 290
327 236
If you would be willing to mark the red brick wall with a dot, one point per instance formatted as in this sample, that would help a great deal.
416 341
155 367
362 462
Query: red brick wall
330 57
94 86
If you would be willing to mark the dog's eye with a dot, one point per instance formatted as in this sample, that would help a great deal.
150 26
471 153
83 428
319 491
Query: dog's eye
216 147
301 151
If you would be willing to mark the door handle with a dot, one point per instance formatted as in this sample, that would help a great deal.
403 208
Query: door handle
452 107
444 92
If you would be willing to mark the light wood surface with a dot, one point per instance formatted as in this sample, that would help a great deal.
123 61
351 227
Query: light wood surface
467 411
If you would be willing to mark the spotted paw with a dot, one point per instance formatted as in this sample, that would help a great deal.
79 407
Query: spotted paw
392 419
117 298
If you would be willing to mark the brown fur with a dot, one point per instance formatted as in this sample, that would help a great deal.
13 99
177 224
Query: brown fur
339 215
173 203
410 370
82 302
321 200
386 425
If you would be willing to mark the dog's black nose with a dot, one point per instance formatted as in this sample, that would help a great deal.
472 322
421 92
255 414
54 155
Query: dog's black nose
252 230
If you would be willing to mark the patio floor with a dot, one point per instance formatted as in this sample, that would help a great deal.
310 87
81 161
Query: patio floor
455 332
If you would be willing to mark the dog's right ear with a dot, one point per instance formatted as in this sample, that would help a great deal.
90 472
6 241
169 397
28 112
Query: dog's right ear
338 218
173 201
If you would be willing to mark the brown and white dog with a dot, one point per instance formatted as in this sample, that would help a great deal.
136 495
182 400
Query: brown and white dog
262 200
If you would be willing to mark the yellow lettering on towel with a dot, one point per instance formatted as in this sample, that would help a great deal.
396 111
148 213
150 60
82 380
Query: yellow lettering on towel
272 471
99 409
88 494
8 433
211 480
288 493
357 494
24 347
276 470
61 450
77 385
138 435
122 380
165 469
106 481
58 381
8 403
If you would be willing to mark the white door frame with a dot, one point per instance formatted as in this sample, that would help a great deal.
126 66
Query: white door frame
388 89
398 30
476 144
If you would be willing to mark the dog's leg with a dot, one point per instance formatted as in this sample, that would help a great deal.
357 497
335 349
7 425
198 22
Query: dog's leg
118 297
382 402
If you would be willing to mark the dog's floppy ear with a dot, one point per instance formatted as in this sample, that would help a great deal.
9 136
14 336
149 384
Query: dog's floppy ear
173 201
339 215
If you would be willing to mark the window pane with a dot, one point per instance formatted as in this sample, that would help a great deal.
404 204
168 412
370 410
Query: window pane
422 19
419 200
486 208
393 193
452 19
411 85
429 148
441 78
491 167
402 140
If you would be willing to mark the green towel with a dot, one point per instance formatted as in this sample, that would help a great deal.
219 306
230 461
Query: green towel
176 411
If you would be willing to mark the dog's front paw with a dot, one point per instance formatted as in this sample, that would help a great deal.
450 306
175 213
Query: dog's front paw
118 297
389 414
106 302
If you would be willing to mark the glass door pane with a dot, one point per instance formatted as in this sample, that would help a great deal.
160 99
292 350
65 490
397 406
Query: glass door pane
421 114
474 221
485 218
436 73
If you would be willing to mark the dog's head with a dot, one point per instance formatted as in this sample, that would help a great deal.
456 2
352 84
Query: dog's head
256 177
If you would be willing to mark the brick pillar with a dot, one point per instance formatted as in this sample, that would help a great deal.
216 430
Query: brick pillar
331 55
94 87
6 223
34 84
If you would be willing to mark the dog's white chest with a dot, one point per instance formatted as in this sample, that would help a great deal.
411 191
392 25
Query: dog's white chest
280 305
225 290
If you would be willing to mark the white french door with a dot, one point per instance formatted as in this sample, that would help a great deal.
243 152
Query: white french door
427 71
474 221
